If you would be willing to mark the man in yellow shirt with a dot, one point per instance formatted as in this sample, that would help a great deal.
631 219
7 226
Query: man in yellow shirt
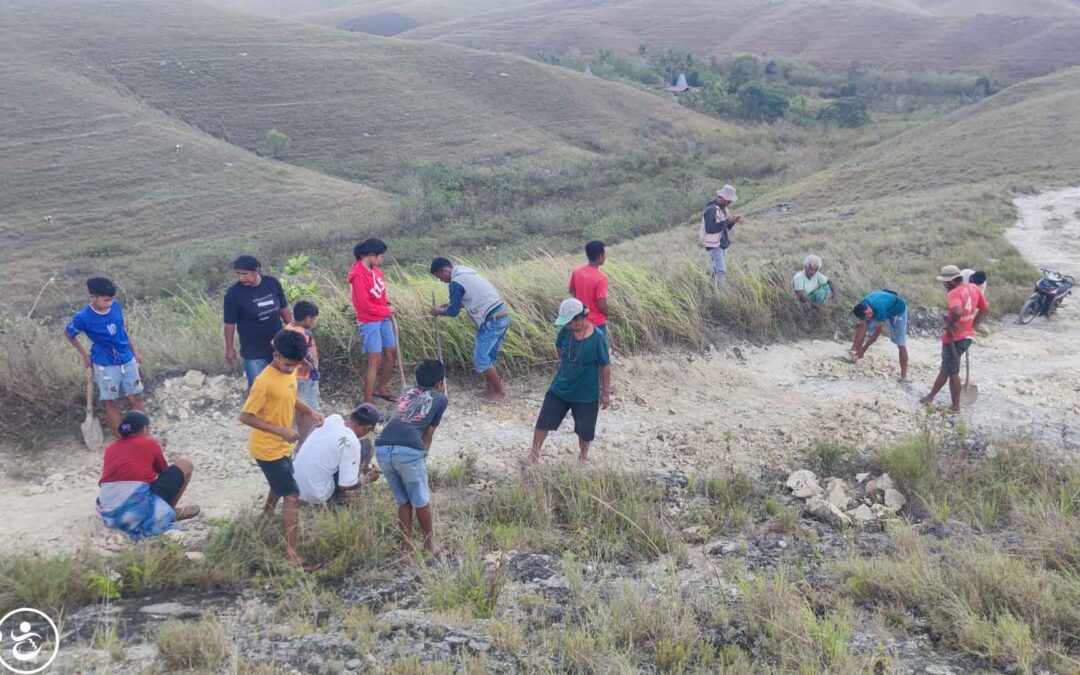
269 410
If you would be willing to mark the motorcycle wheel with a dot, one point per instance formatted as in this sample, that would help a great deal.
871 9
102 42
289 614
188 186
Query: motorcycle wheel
1029 310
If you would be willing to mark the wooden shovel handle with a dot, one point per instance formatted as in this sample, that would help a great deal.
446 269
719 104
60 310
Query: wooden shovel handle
89 390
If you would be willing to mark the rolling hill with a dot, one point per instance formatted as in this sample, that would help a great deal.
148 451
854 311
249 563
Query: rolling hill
916 34
894 213
97 96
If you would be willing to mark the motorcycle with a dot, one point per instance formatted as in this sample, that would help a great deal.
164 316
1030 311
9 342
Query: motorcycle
1049 293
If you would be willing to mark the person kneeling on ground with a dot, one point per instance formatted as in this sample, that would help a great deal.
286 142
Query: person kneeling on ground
334 458
486 309
966 309
401 450
139 488
270 410
582 386
877 308
812 288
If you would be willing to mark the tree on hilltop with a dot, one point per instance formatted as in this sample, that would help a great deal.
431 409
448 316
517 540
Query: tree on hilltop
276 143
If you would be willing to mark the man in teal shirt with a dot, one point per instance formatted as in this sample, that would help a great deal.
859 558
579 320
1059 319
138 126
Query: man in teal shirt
877 308
583 384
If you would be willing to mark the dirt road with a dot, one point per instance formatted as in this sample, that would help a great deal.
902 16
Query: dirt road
733 407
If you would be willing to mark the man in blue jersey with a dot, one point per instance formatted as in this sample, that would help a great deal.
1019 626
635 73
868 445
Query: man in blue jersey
877 308
112 355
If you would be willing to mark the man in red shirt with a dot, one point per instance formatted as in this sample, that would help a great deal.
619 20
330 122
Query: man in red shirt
373 322
589 285
966 308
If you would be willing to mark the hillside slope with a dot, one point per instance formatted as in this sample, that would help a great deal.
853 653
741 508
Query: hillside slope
91 178
893 214
922 35
358 107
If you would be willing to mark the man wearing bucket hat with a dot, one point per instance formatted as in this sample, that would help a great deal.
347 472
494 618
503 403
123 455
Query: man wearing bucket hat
714 234
966 308
582 386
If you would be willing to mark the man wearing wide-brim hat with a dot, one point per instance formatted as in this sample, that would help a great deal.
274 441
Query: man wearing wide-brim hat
966 308
714 234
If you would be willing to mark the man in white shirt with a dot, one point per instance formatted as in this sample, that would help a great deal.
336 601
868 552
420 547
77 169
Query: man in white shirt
333 457
978 278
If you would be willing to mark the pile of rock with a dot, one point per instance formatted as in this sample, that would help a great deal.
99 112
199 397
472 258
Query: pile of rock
866 501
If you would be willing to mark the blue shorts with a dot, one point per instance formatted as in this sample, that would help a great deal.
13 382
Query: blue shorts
376 336
406 473
116 381
308 392
489 340
279 475
252 368
898 329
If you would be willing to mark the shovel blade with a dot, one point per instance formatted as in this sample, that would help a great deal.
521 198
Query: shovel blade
969 393
91 433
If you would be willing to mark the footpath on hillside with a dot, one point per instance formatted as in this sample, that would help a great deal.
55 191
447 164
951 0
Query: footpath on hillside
736 407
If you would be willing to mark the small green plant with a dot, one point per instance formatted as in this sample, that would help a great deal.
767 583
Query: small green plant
276 143
469 584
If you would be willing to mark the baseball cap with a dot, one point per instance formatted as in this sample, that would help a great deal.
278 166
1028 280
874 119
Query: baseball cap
568 311
366 414
948 273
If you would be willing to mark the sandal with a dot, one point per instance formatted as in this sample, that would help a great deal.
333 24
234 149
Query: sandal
387 397
187 512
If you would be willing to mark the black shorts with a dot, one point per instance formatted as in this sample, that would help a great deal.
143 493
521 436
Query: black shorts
950 355
279 475
168 484
554 410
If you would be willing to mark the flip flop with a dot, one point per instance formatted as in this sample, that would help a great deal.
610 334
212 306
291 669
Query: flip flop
187 512
386 397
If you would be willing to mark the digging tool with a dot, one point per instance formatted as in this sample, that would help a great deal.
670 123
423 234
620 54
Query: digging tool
438 345
969 393
400 353
90 427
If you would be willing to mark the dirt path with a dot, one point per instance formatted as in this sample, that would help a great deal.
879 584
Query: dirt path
733 407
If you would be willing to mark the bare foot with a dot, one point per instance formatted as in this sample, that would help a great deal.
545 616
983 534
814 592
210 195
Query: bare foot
926 400
187 512
494 396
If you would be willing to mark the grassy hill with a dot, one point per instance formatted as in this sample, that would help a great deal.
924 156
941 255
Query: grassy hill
348 14
357 107
941 193
901 33
91 179
431 144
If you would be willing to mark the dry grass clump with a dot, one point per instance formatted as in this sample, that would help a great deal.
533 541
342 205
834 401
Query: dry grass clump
1013 599
201 646
598 514
466 583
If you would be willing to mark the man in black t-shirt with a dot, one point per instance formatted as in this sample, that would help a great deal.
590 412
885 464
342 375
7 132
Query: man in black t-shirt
255 307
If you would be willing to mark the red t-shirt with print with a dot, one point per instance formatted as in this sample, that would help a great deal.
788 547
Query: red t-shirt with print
368 293
135 458
970 300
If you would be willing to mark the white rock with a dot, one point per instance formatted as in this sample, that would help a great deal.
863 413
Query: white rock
838 497
195 556
860 477
194 379
825 511
803 484
57 478
863 514
36 490
884 482
174 609
894 499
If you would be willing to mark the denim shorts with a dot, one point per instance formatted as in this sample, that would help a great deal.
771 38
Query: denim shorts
406 473
898 329
252 368
489 340
308 392
279 476
116 381
376 336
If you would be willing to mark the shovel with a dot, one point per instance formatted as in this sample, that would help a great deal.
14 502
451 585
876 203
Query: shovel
969 393
438 344
91 429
